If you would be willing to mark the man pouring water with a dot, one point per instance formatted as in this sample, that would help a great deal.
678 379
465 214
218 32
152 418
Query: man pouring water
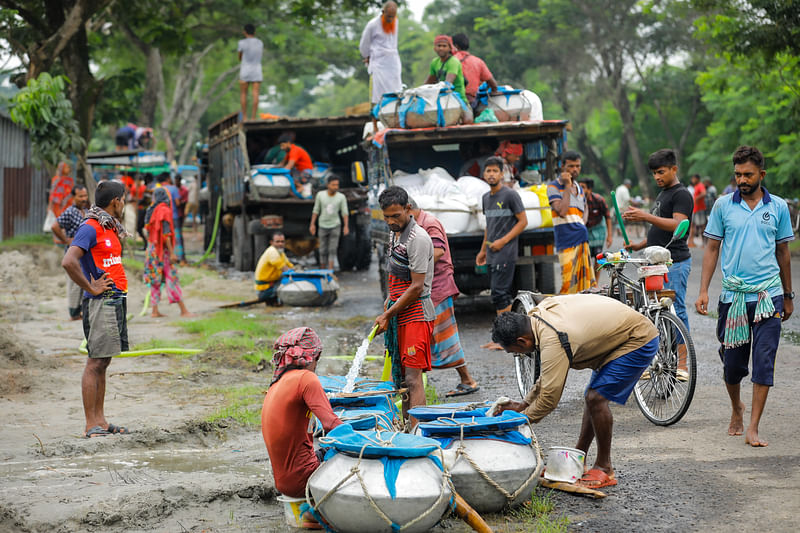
408 314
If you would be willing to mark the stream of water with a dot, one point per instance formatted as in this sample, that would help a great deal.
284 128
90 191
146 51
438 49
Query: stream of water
355 368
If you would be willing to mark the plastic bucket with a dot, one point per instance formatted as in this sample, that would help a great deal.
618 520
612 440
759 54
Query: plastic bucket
564 464
291 510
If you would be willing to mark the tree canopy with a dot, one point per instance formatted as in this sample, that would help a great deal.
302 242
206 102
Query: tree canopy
632 76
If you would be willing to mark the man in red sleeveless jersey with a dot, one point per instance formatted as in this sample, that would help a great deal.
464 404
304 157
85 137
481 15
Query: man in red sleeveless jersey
409 306
94 262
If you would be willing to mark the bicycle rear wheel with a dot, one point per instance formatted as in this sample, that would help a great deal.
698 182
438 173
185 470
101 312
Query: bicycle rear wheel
526 365
527 368
663 394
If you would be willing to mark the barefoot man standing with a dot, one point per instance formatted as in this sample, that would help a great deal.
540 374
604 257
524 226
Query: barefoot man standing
753 229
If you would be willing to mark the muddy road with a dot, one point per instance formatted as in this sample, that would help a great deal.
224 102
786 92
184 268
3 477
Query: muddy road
197 462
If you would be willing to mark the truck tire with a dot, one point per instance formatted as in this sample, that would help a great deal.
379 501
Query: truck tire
260 243
347 252
364 248
242 245
382 278
546 278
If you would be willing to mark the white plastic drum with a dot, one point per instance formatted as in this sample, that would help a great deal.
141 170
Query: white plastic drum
530 200
536 105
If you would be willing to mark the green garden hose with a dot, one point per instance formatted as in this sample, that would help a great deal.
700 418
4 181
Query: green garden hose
213 233
150 351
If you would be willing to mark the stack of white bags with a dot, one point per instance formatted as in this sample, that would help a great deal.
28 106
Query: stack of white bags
458 203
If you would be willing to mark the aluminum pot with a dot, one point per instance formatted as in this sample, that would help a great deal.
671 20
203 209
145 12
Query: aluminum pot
514 467
419 487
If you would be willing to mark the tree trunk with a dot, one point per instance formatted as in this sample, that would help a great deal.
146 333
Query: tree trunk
84 92
153 81
623 106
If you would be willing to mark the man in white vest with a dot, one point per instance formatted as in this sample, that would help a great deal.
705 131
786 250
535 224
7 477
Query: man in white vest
378 47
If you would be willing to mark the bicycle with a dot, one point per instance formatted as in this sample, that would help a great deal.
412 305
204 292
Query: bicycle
665 390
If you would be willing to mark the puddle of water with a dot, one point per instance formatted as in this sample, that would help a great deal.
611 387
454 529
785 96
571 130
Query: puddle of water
172 461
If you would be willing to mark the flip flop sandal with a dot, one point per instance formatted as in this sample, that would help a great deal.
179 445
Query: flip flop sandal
97 431
596 479
118 430
462 390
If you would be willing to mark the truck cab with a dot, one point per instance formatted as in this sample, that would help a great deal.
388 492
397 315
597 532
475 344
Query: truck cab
247 216
410 150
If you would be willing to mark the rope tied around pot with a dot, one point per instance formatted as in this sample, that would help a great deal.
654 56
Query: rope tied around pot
355 471
461 451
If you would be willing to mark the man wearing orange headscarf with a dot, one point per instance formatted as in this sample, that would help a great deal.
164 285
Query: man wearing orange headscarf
511 153
378 47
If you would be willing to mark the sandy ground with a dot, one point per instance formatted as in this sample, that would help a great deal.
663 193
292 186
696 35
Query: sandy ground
178 472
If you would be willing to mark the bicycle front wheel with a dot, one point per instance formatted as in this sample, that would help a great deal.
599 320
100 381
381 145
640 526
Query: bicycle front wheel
666 388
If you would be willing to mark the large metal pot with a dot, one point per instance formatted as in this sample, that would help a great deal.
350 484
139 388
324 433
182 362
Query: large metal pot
420 489
514 467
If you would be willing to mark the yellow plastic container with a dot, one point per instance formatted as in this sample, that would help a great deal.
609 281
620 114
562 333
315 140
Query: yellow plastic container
547 215
291 510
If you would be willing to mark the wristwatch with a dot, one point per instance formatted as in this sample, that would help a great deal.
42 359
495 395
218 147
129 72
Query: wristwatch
789 295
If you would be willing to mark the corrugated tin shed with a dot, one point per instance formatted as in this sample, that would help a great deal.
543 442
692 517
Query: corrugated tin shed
23 187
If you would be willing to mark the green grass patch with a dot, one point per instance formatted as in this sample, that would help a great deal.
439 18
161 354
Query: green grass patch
794 246
431 397
21 241
132 264
232 331
791 336
242 404
159 343
539 514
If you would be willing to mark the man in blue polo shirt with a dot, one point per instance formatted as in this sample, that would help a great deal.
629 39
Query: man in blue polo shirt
753 229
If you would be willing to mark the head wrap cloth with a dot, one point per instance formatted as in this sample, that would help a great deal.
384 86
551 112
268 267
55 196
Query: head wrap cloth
297 348
509 148
444 39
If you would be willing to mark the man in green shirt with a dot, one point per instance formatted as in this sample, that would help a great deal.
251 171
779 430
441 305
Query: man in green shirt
446 66
328 206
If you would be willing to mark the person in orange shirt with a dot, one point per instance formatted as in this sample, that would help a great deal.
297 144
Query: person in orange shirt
294 397
297 159
94 262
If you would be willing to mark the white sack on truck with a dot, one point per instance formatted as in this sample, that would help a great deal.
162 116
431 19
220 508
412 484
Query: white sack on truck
430 106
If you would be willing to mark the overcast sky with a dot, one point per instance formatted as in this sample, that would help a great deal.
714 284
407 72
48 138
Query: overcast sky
417 7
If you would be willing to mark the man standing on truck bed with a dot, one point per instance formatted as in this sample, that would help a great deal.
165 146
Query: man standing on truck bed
378 47
505 220
328 206
409 314
250 50
568 205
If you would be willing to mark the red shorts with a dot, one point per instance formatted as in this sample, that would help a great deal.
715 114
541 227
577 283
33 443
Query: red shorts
414 340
